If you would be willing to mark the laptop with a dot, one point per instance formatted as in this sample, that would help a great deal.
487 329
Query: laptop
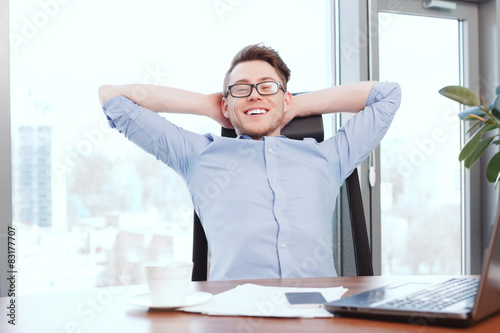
460 301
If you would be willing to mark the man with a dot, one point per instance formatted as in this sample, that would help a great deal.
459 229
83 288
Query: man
266 202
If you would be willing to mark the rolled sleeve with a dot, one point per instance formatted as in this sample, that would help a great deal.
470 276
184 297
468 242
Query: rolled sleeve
139 125
362 133
385 98
156 135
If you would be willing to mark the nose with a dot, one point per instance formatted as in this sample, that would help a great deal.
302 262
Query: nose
254 94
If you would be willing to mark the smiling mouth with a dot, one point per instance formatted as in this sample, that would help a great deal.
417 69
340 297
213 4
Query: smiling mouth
256 112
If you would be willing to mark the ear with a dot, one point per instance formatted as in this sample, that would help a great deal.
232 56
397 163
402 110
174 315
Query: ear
224 107
287 102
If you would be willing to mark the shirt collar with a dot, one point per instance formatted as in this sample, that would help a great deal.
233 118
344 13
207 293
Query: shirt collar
246 137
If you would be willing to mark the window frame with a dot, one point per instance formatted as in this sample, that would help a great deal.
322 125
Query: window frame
467 15
5 148
362 45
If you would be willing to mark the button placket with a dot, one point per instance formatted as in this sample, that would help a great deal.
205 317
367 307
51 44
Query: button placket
282 240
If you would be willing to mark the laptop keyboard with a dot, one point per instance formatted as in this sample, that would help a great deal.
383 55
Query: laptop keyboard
438 297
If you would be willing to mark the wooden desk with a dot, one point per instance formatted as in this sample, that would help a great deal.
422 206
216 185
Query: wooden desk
106 310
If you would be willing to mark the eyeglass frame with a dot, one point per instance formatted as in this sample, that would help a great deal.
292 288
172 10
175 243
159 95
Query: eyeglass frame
228 91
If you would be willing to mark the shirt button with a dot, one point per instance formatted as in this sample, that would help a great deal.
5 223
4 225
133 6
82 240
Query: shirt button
279 211
274 181
270 150
283 245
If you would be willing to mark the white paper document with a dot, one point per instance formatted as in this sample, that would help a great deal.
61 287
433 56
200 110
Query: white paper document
261 301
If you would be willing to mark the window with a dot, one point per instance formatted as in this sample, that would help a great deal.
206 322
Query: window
90 207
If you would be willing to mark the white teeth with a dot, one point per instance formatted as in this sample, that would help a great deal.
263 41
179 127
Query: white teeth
256 111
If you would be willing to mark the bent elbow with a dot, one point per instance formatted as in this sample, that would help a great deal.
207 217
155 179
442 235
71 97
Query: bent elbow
105 93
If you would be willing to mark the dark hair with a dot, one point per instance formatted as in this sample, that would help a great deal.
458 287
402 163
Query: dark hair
259 52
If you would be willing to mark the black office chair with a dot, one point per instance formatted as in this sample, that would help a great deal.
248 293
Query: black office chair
351 245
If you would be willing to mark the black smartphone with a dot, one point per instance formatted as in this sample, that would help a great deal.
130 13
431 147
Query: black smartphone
305 299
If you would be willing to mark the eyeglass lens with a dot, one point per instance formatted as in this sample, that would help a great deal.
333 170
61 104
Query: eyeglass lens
263 88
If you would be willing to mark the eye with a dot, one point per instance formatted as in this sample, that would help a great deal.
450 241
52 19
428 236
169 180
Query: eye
240 89
267 87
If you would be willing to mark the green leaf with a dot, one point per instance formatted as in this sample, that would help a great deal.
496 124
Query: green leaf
496 103
461 95
473 142
493 168
491 127
481 147
469 147
463 115
495 113
473 127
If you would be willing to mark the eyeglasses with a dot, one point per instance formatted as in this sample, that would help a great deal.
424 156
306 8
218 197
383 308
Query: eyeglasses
263 88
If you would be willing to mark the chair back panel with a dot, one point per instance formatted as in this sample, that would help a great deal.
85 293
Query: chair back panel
298 128
351 244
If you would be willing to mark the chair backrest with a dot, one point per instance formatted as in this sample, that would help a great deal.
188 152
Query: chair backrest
351 244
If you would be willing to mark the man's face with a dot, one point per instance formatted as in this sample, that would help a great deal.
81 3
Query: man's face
255 115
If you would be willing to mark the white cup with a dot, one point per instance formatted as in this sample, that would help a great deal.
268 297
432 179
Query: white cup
168 282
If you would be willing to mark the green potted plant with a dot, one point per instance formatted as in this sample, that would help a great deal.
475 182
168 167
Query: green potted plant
484 119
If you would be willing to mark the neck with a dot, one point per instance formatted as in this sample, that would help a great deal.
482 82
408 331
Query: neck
258 136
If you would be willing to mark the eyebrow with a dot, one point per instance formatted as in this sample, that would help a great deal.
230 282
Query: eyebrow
262 79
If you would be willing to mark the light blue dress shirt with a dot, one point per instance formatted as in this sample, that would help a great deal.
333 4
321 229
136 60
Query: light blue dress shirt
266 205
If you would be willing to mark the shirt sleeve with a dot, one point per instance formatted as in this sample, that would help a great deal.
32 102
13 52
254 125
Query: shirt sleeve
156 135
362 133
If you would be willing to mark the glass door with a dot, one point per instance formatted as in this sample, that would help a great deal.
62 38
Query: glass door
422 188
